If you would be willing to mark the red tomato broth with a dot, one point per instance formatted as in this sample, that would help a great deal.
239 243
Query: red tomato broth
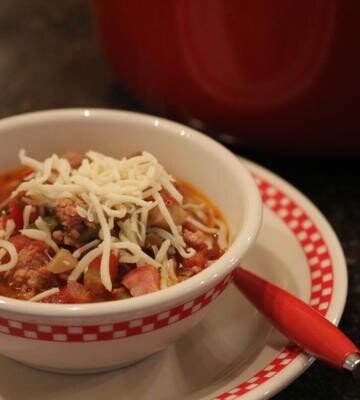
89 287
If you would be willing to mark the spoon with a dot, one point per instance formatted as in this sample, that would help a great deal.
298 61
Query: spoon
299 322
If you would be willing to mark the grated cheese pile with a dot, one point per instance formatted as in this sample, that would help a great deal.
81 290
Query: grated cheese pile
112 191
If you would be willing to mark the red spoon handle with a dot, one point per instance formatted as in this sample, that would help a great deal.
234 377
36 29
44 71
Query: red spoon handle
296 320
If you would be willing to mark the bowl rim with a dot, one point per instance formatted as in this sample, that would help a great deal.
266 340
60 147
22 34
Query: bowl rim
183 291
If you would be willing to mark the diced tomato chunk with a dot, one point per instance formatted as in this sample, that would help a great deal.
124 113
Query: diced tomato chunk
16 213
142 280
92 282
72 293
92 277
199 259
113 265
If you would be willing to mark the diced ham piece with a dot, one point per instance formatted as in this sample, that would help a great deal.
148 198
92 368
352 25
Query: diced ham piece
142 280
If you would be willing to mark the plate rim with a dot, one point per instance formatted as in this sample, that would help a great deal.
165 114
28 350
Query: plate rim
301 362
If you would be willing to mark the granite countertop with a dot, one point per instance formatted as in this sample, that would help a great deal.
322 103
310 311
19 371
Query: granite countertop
48 61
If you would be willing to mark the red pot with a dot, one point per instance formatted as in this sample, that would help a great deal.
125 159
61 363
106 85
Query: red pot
277 74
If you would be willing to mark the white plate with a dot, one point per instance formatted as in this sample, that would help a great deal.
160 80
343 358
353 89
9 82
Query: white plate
234 353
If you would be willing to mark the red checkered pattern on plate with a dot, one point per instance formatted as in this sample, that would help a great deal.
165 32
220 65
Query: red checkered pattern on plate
320 266
112 331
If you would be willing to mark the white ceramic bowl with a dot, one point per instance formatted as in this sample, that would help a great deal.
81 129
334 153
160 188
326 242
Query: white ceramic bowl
95 337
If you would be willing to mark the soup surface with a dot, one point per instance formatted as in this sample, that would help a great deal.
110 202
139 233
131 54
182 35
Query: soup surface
81 228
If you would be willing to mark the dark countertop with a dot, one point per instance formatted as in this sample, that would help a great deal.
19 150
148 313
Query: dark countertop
50 59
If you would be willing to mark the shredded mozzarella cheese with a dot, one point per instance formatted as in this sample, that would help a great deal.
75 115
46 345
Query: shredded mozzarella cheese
104 266
37 234
222 234
194 206
10 248
170 188
160 256
9 228
113 192
164 274
168 218
30 162
45 294
84 262
43 226
136 250
81 250
171 272
186 253
26 214
201 226
2 253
